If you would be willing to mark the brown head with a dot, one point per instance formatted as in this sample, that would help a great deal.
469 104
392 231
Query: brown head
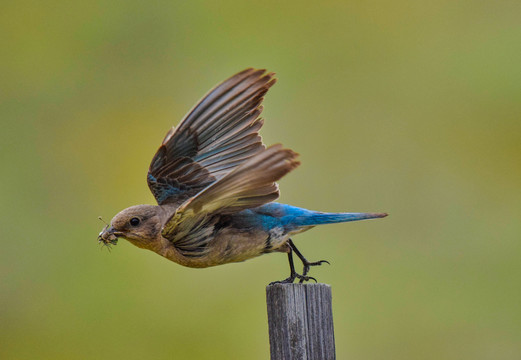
140 224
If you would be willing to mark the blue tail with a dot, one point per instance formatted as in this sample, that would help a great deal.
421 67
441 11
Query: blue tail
319 218
292 217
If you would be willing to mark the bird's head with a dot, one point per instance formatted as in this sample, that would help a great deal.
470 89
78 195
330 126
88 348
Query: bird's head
140 224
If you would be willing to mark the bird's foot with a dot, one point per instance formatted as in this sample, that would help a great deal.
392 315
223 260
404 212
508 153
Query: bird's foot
293 277
308 265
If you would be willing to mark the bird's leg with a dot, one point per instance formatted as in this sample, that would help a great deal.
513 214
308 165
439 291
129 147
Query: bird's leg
305 262
293 274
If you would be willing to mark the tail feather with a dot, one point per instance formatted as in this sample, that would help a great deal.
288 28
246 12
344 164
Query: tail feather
302 217
319 218
293 218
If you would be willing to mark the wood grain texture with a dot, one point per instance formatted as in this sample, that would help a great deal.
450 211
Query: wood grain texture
300 320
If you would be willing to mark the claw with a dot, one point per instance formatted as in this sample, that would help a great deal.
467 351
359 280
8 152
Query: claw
320 262
292 279
285 281
307 265
306 278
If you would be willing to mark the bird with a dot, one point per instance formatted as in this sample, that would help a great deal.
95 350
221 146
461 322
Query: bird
215 185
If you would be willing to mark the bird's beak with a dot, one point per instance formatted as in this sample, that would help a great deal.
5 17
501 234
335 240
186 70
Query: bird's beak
107 236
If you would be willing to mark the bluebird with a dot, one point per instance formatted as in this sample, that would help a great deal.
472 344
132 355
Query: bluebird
215 183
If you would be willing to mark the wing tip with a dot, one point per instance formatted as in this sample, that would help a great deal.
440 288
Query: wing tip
260 74
278 147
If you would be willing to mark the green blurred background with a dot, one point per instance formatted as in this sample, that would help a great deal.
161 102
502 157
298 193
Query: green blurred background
409 107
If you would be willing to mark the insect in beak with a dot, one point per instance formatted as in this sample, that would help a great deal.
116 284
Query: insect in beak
107 237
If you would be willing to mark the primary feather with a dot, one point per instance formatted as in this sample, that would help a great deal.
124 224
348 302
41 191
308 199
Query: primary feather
215 137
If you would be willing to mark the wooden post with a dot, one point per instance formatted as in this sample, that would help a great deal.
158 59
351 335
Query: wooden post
300 320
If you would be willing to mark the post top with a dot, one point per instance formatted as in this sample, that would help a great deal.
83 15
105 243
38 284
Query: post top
291 285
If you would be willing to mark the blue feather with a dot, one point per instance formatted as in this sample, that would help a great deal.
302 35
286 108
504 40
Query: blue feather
161 191
290 217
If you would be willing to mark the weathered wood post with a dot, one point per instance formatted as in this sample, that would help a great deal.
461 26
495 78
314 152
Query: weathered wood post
300 320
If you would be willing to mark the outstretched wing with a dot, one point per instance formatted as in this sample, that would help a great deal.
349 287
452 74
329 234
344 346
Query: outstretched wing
250 185
215 137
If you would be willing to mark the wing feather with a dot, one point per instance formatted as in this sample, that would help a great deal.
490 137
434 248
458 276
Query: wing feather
215 137
249 185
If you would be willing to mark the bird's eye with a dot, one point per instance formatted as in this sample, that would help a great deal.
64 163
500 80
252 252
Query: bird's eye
134 221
